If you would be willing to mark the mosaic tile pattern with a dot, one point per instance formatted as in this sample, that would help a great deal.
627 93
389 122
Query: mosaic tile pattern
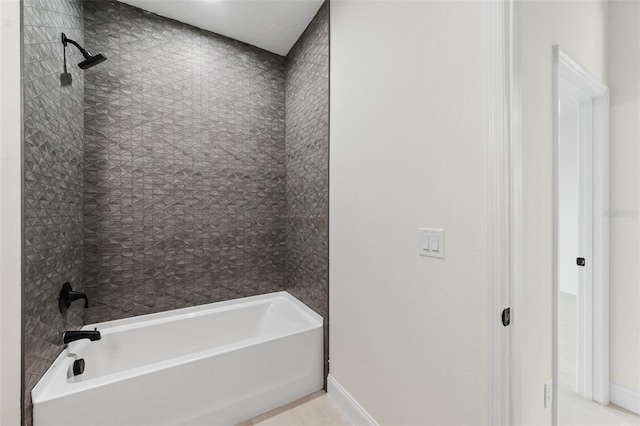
53 183
179 195
184 165
307 180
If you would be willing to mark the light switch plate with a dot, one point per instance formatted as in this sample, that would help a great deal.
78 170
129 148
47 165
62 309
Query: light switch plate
431 242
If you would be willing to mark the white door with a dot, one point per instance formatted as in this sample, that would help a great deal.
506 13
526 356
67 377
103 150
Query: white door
583 261
575 239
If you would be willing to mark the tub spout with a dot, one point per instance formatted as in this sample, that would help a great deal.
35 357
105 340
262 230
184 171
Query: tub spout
72 336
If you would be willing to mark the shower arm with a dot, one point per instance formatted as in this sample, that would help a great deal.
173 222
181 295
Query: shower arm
66 40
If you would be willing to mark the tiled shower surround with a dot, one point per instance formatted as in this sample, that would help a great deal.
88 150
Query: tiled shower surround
184 165
203 174
53 135
307 165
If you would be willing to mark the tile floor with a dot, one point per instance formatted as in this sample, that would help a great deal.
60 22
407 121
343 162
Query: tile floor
317 409
574 410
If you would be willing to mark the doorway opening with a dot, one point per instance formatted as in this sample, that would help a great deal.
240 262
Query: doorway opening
581 238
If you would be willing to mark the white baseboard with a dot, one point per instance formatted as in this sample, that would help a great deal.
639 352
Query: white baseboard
348 405
624 397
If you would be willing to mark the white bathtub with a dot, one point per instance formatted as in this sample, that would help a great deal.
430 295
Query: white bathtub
216 364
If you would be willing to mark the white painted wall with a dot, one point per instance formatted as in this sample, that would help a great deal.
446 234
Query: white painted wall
408 116
580 28
10 213
568 186
624 82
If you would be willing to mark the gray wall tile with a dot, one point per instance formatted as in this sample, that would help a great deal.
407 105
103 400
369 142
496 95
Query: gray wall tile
307 159
184 165
53 182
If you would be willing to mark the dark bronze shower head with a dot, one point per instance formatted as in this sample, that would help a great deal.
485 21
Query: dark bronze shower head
89 59
93 60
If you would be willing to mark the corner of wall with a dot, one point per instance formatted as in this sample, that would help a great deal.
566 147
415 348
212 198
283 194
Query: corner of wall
10 214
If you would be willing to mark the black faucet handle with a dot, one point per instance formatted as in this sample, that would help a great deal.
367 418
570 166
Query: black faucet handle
75 295
68 295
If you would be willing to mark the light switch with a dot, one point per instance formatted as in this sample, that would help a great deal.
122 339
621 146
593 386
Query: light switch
424 243
434 243
431 242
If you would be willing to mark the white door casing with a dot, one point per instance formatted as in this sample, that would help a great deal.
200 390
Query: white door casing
503 213
592 98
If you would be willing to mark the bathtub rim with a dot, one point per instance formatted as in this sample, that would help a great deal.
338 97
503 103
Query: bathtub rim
57 386
224 305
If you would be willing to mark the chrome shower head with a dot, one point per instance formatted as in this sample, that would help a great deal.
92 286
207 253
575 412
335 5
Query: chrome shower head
89 59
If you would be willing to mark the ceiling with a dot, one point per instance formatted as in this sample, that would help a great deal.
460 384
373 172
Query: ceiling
273 25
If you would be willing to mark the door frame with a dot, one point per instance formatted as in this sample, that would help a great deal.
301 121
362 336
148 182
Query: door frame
504 217
593 369
503 212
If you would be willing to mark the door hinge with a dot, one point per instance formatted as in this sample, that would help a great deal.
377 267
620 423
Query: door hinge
506 317
580 261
